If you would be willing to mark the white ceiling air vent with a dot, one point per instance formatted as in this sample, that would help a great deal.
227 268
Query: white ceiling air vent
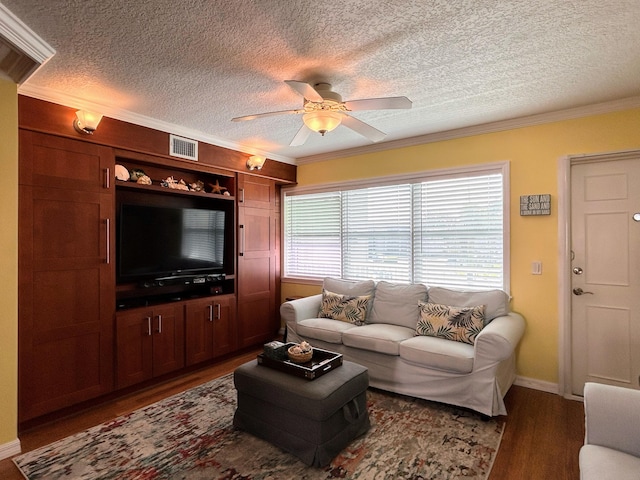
183 148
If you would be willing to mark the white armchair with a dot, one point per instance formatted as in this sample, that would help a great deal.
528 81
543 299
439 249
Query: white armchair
611 448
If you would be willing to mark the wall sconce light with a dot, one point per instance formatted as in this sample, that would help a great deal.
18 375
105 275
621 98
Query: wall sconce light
255 162
86 122
322 121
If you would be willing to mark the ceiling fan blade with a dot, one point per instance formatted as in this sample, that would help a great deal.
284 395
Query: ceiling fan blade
306 90
362 128
301 136
378 103
268 114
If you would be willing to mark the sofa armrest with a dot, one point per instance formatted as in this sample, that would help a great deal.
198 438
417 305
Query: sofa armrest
300 309
498 340
612 417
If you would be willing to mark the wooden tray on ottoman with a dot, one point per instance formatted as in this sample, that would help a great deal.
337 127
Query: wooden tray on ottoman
323 361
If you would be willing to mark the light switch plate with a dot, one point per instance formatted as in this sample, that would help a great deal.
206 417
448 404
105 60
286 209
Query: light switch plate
536 268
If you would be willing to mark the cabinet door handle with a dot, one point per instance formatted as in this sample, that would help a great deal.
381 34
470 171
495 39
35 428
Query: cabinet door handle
241 190
241 253
108 244
210 308
218 311
107 178
149 326
159 324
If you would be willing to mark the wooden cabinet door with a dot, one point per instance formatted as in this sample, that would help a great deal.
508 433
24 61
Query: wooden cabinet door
256 192
224 325
149 342
168 338
58 162
66 277
257 320
199 331
210 328
258 261
134 347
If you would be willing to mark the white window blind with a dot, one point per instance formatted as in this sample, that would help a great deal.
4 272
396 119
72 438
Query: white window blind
376 233
458 232
446 230
312 232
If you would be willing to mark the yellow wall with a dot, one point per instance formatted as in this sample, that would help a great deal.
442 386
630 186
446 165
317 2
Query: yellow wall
9 262
533 153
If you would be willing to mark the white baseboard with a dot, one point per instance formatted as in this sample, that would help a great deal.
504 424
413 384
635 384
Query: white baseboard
10 449
537 385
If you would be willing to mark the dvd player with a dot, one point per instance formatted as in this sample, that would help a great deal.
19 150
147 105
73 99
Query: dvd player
184 280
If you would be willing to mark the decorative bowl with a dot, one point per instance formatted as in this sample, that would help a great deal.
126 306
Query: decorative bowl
295 357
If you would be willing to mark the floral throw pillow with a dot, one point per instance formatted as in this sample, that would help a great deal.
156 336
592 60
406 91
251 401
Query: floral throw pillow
344 307
460 324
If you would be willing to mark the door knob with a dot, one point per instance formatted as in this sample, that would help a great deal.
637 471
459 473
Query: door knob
577 270
579 291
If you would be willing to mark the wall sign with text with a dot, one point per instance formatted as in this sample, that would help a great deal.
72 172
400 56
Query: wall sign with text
535 205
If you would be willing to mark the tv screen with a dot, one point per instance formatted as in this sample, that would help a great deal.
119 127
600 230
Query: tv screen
158 241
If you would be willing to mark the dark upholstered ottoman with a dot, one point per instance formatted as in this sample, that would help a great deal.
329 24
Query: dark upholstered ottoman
313 420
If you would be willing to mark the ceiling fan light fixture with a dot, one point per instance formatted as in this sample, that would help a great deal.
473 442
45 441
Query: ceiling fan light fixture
322 121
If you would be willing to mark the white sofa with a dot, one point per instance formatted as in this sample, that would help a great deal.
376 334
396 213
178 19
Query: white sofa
475 376
611 448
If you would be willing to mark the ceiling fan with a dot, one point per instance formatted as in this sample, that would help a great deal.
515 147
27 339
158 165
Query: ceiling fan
323 110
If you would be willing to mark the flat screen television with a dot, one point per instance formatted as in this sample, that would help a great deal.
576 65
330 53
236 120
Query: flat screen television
160 241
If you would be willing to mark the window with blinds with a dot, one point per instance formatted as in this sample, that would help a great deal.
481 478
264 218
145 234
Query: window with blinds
437 229
312 233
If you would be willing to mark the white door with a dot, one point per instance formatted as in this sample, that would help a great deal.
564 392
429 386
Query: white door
605 242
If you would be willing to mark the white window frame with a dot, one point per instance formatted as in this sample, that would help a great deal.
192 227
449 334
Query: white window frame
502 168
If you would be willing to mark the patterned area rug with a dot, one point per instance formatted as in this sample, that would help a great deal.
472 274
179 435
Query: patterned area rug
190 436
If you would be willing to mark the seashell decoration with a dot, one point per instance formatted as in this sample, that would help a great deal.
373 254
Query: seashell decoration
144 180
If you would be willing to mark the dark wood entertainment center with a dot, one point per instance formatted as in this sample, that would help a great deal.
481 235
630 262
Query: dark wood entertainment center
83 335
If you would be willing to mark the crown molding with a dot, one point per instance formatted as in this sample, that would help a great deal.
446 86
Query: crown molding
528 121
492 127
32 50
71 101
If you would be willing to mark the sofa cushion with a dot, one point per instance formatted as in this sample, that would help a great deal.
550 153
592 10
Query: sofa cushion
349 287
378 338
325 329
438 353
460 324
397 304
598 463
496 301
345 308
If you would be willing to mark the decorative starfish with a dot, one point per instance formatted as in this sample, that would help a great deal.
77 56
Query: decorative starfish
217 188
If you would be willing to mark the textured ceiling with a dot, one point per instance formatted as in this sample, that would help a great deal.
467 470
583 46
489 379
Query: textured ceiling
195 64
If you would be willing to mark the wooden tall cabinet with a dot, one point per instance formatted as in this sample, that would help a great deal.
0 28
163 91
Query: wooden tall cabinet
66 277
85 330
258 259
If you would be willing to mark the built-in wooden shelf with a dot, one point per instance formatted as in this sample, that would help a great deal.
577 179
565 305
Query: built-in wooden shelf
156 187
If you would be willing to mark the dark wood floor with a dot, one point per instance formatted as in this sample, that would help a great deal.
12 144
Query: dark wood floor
542 436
